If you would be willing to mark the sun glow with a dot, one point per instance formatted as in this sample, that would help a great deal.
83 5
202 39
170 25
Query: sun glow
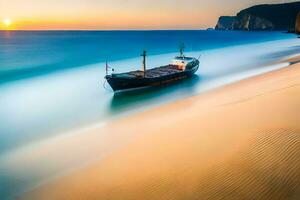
7 22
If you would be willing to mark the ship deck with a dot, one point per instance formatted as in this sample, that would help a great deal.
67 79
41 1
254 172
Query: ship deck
151 73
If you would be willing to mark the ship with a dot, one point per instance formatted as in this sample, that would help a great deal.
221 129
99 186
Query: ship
180 68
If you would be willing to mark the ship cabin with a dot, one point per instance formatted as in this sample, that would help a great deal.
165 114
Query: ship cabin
183 62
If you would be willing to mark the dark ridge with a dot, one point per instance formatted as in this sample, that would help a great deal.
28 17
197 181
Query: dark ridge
264 17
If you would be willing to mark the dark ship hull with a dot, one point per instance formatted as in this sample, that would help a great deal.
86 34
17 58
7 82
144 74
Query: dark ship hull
152 77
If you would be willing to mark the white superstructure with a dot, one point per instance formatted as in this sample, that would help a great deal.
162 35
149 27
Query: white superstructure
182 61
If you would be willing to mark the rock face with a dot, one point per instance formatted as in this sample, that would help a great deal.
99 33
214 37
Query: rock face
262 17
225 23
297 28
252 22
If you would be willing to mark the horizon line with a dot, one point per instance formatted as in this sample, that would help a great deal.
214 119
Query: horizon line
107 30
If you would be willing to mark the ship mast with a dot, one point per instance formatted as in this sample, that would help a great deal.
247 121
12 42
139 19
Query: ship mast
144 62
181 49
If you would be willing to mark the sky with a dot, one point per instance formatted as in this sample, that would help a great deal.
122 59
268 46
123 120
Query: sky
117 14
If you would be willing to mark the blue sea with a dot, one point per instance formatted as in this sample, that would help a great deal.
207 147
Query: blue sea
52 83
26 53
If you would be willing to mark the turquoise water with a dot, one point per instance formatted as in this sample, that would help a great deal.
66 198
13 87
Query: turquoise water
51 82
27 53
28 61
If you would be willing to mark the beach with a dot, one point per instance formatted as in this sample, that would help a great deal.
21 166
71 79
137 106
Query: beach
61 122
241 140
176 101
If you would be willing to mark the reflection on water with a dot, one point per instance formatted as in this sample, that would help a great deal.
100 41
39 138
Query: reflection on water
125 100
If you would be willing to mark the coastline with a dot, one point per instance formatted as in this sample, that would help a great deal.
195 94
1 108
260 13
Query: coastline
35 158
217 120
82 101
227 142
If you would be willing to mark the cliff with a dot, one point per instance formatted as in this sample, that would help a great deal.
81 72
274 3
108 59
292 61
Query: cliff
262 17
225 23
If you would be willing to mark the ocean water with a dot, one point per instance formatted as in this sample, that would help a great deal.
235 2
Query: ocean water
51 83
27 53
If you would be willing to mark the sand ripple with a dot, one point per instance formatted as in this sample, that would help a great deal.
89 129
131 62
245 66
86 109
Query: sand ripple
268 169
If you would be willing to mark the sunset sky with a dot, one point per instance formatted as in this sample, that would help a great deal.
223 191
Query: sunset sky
117 14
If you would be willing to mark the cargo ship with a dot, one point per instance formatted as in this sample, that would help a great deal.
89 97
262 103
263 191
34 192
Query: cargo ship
181 67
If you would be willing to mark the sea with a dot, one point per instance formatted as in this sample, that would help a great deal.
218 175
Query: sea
52 82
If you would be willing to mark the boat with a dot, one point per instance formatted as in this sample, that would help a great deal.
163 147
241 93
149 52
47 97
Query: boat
180 68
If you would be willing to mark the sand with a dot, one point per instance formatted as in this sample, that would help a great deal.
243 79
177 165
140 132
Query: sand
241 141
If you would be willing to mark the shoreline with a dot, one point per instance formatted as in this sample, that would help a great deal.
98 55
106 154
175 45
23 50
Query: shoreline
65 86
276 89
99 142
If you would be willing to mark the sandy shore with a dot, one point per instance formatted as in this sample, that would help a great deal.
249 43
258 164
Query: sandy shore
241 141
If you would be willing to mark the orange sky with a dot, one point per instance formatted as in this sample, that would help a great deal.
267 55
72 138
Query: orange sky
117 14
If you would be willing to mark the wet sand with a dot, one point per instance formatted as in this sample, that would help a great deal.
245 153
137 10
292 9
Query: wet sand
241 141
